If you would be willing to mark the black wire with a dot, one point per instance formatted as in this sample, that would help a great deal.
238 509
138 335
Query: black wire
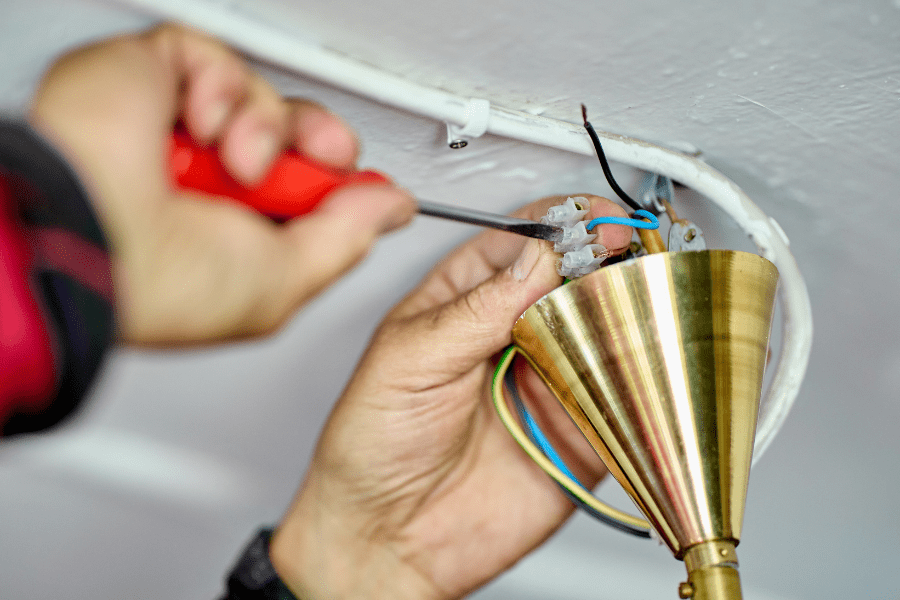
623 527
605 164
510 381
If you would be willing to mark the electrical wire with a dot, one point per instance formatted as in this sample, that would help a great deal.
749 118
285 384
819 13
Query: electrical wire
636 223
534 431
673 216
537 436
598 148
580 495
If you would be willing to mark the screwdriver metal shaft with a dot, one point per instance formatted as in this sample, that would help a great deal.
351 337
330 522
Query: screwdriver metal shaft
524 227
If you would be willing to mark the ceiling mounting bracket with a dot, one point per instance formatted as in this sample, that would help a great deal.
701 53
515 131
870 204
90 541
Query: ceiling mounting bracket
477 114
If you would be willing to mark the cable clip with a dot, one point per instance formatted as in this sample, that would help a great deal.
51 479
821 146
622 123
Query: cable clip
477 114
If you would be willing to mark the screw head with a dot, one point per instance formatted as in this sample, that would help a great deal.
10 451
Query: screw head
690 235
457 144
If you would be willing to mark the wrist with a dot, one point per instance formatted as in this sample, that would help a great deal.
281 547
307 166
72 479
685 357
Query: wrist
323 555
253 576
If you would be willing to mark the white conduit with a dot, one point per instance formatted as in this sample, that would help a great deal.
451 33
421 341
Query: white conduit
281 49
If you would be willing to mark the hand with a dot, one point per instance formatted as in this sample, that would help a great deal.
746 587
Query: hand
416 490
187 270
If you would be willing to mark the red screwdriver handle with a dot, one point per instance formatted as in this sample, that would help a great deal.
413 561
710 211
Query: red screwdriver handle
293 187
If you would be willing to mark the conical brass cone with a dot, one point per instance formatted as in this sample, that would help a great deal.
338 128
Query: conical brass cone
660 361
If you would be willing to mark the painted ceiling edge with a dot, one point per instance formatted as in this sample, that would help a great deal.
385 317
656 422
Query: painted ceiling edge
279 48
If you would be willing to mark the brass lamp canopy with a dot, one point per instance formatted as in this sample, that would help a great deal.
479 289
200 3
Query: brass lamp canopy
659 361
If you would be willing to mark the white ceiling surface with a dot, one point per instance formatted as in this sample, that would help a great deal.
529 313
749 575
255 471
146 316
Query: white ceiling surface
151 493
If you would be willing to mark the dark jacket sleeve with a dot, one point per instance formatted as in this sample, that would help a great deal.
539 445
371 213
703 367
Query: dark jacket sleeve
56 297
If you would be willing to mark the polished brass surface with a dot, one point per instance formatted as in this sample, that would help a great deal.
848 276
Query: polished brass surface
716 583
659 361
713 571
711 554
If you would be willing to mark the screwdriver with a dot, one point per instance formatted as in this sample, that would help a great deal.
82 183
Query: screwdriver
531 229
295 185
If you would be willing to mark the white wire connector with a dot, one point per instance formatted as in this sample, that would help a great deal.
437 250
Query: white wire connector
580 257
566 214
578 263
574 238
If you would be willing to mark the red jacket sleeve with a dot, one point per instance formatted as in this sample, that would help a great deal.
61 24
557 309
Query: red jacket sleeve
27 369
56 317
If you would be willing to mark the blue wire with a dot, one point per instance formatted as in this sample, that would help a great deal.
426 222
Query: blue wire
639 224
534 431
537 436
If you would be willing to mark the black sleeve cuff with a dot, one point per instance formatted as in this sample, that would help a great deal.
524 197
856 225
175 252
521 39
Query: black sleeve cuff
254 577
71 274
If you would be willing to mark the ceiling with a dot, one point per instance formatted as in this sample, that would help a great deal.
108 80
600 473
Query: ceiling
182 454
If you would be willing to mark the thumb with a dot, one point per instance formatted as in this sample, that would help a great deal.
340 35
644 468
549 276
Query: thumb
478 324
338 234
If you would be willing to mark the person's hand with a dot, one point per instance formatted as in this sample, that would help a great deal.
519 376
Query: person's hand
186 269
416 490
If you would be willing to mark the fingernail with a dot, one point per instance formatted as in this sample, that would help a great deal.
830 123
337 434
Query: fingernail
215 118
524 265
331 142
260 153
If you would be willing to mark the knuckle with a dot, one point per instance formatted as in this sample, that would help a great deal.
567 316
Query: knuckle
476 311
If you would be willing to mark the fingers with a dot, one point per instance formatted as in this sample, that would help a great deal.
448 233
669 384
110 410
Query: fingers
225 102
216 272
614 237
325 244
477 324
256 133
214 80
466 331
322 135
